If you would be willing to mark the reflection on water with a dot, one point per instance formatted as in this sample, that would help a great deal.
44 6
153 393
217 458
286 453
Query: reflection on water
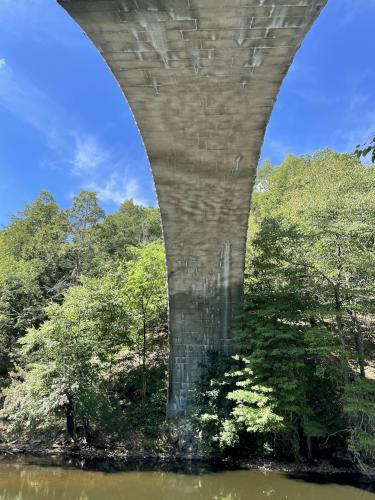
22 480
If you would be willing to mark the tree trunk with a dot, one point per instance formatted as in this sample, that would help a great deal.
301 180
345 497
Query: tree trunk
144 362
358 337
295 446
338 301
339 322
70 420
309 448
339 311
87 430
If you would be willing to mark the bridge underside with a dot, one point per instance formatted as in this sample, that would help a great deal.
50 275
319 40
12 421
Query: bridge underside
201 77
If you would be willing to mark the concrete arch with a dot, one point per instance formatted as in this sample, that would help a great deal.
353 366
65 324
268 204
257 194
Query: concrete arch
201 77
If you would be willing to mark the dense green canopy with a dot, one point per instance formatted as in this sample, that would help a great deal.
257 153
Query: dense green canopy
83 322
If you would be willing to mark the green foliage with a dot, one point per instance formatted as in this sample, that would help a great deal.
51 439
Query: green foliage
85 217
210 404
307 324
145 298
145 414
21 305
310 283
68 357
131 226
230 403
82 303
366 149
254 410
38 231
83 312
359 406
144 290
34 264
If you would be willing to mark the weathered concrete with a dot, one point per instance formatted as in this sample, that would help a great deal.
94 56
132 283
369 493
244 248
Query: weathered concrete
201 77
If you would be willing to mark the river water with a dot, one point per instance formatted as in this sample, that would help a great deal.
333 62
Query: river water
30 479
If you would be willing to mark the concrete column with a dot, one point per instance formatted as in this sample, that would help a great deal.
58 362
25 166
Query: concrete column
201 77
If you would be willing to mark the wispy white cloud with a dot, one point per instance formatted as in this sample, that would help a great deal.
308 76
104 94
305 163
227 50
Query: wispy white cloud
88 155
117 188
100 170
29 103
94 166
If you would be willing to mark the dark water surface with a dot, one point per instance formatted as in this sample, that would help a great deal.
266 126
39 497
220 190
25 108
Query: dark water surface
30 479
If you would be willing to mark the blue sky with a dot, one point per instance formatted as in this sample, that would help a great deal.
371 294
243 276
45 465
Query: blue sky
65 126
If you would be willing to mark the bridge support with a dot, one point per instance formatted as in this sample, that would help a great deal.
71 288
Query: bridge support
201 77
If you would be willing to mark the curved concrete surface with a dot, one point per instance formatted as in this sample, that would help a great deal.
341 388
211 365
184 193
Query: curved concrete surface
201 77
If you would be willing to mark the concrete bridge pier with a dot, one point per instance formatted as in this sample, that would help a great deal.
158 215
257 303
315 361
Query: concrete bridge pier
203 303
201 77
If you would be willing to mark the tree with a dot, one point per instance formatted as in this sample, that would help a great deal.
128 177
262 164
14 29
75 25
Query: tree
85 217
20 305
329 201
145 297
311 279
72 320
132 225
33 266
228 402
67 358
306 332
359 406
39 233
40 230
365 149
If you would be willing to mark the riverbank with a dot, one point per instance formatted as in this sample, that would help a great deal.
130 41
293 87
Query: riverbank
128 457
60 478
